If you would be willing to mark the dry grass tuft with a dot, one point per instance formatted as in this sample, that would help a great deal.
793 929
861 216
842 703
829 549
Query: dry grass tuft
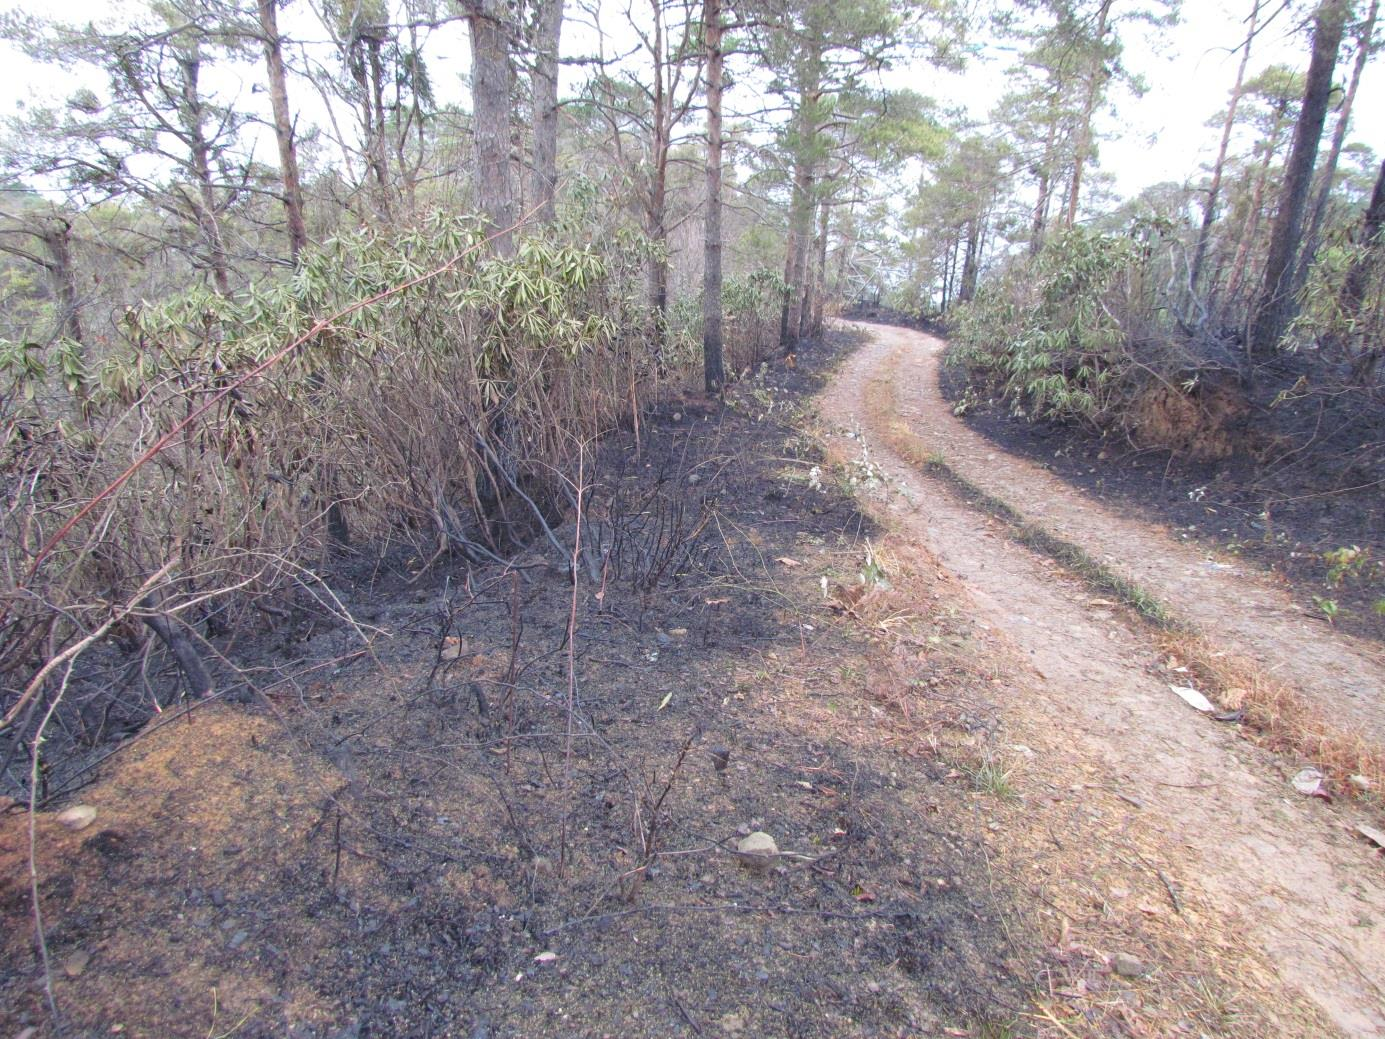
1279 715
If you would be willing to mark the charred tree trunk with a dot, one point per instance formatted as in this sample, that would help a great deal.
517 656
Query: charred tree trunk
199 682
1275 305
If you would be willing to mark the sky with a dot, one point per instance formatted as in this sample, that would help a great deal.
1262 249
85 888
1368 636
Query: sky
1191 71
1158 137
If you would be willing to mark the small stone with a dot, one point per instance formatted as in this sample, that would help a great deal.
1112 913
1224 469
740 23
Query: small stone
678 633
546 957
218 897
1307 781
694 478
762 975
1128 966
732 1023
237 939
757 850
75 964
1360 783
78 817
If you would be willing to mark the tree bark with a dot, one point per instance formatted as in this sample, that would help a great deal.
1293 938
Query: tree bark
548 27
1045 176
972 262
491 82
713 370
795 267
1084 135
820 270
58 241
1353 292
1209 205
199 151
1254 214
802 204
1275 305
1328 171
283 128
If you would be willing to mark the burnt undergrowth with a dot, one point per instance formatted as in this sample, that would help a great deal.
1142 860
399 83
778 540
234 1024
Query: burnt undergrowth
1301 494
497 789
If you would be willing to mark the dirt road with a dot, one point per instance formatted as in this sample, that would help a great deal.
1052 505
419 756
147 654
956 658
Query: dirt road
1282 869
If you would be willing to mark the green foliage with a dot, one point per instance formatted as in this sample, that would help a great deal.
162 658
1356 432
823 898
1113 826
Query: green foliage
447 396
1345 562
1048 332
1343 331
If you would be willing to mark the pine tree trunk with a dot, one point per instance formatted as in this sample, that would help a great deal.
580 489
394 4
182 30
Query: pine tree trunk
971 264
283 128
58 241
800 236
1040 221
1353 293
548 25
1328 171
800 214
1275 306
1251 228
713 371
820 270
491 81
199 151
1209 205
1084 136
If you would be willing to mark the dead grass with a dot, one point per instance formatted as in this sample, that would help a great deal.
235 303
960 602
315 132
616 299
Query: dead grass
1088 877
1280 717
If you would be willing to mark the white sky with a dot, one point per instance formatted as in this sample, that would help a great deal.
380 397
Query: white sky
1161 136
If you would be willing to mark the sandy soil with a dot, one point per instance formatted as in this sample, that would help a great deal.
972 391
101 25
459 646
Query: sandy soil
1280 868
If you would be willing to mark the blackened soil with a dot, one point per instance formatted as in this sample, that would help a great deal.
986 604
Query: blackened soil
1286 512
499 806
